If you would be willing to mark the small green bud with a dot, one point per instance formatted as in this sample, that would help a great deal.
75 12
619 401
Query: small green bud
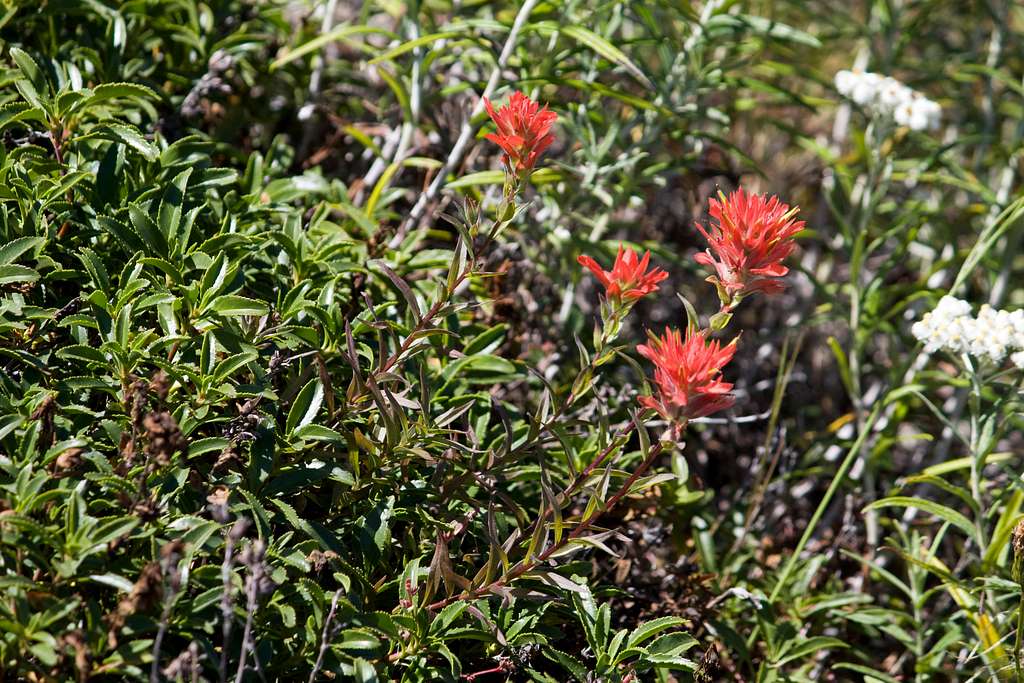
720 320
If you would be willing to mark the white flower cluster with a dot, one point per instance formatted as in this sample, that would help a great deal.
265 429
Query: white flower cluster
889 97
991 335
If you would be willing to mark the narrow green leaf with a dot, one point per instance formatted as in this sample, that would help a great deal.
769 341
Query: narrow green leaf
126 135
413 44
810 646
339 33
941 511
232 364
234 305
306 405
169 215
606 50
148 231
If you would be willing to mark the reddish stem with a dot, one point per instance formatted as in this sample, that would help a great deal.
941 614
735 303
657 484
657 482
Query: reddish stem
527 564
496 670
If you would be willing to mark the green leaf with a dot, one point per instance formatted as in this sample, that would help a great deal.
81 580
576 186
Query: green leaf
672 644
651 628
339 33
234 305
323 536
478 178
169 215
11 272
82 352
211 443
17 247
606 50
810 646
164 266
568 662
111 91
306 405
401 285
941 511
447 616
764 26
148 231
126 135
34 86
122 233
413 44
113 528
16 112
28 66
231 364
97 271
114 580
869 674
314 432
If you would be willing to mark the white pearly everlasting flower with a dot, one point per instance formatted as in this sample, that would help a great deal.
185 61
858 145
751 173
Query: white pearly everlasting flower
866 89
845 80
892 94
919 113
943 328
889 97
991 335
1018 359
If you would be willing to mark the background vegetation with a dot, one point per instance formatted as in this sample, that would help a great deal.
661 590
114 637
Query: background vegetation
272 409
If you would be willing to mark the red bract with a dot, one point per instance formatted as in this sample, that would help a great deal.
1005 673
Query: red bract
629 278
753 235
523 130
686 373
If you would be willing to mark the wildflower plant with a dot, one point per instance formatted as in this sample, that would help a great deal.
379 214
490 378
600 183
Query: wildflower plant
747 242
687 375
524 132
630 279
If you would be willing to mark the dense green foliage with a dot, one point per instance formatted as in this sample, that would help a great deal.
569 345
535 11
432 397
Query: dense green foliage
290 391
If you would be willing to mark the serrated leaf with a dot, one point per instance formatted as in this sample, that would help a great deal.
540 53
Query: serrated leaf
126 135
82 352
651 628
11 272
148 231
97 271
15 248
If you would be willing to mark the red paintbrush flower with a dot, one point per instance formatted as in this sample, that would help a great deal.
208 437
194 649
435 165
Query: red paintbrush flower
523 131
753 235
629 278
686 373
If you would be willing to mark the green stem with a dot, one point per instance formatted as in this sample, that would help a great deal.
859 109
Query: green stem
1017 640
837 481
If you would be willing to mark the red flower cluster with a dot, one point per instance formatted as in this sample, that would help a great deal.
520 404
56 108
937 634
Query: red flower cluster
628 279
753 235
687 374
523 131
